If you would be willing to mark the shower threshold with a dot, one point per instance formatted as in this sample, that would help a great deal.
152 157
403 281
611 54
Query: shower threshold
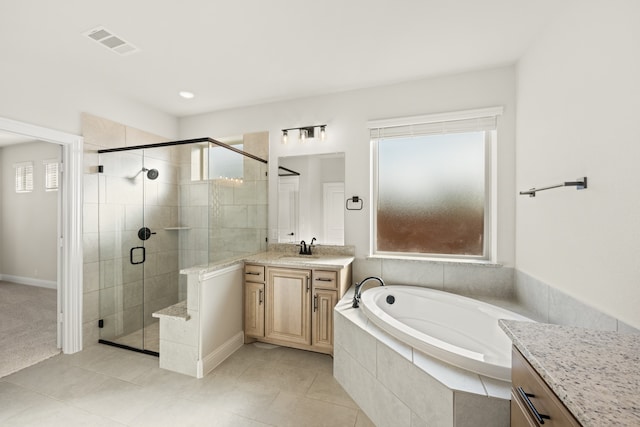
151 334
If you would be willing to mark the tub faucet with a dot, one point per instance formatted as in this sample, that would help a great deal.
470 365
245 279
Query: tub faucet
356 295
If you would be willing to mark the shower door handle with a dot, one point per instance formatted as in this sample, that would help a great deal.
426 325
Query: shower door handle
144 255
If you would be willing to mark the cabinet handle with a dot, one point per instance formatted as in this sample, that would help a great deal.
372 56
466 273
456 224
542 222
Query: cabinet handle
525 396
260 297
252 273
322 279
315 303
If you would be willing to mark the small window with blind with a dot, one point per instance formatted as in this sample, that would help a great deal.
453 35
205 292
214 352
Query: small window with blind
432 185
24 177
51 175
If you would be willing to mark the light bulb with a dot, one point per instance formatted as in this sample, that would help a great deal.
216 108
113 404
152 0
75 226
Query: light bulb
323 133
285 137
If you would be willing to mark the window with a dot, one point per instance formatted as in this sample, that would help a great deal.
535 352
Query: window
24 177
432 185
50 175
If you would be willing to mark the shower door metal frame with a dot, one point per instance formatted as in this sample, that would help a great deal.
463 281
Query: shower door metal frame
168 144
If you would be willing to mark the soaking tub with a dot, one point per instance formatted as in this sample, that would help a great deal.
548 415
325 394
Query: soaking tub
460 331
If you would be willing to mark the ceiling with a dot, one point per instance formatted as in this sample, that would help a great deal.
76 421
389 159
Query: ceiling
247 52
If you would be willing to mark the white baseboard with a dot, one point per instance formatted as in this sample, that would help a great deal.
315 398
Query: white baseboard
51 284
219 355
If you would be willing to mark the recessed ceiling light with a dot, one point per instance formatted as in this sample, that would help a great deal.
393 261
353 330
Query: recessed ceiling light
186 94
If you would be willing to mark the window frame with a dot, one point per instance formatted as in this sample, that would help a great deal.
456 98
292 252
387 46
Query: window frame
490 158
46 163
24 177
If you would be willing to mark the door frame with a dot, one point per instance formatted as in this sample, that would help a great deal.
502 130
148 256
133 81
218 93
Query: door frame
70 261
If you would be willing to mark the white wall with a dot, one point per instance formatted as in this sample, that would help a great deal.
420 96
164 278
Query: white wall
28 98
346 115
579 115
1 205
29 220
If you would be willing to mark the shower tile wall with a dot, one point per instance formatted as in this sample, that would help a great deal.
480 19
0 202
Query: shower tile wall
239 209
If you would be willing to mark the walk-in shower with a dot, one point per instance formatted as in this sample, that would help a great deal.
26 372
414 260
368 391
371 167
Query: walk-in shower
164 208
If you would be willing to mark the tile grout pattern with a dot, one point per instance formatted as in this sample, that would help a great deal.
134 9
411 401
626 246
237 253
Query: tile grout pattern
107 386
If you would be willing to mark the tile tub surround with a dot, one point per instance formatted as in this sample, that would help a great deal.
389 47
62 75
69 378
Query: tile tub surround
468 279
396 385
546 304
595 373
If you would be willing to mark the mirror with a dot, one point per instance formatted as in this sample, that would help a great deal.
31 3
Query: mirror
311 199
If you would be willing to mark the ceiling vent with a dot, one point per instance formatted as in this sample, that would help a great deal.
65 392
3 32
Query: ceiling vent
112 42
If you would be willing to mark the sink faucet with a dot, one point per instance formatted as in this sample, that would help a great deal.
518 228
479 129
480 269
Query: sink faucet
304 249
358 292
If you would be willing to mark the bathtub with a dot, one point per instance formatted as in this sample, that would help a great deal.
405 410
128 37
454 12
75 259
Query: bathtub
457 330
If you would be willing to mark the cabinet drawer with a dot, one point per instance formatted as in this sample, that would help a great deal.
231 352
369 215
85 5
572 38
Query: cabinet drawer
254 273
325 279
525 380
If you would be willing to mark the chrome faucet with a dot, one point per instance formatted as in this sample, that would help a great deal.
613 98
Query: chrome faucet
358 291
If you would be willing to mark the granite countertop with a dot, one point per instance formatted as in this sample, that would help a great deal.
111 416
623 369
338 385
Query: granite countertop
294 260
285 255
175 311
596 374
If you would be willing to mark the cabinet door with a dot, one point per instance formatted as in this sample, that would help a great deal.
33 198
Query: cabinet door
323 303
254 309
288 301
519 417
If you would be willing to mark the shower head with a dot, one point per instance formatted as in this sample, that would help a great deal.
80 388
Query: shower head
151 173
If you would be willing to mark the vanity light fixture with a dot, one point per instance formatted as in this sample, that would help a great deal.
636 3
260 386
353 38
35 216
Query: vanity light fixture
305 132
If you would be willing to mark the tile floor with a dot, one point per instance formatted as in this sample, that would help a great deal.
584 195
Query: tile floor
147 338
107 386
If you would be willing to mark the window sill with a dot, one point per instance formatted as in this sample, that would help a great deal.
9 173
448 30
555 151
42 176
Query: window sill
433 260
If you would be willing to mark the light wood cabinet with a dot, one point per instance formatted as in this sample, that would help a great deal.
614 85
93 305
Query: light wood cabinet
287 305
254 309
533 403
322 320
297 305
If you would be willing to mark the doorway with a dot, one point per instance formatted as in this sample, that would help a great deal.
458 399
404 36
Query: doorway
69 264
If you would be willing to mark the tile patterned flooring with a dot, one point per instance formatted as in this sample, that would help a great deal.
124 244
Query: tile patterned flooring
107 386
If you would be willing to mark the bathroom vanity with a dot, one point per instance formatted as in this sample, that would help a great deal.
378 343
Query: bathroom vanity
573 376
289 299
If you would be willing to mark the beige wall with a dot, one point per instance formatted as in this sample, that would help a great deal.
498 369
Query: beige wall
29 221
578 115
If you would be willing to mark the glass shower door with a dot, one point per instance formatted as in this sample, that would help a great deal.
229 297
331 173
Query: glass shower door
121 248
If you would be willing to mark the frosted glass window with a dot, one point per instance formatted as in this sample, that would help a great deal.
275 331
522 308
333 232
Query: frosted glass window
24 177
431 194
